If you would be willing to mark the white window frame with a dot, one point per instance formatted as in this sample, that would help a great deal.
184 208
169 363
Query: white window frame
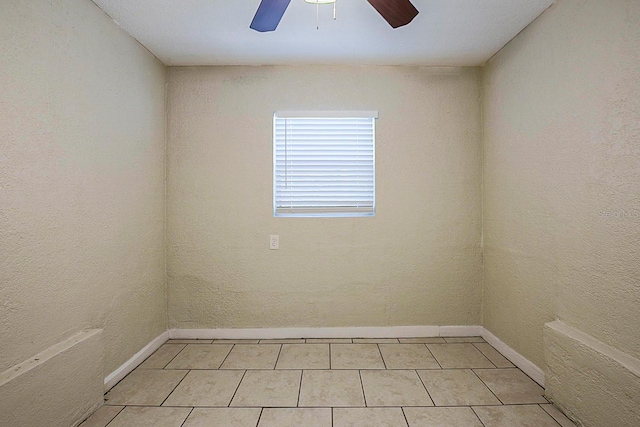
324 211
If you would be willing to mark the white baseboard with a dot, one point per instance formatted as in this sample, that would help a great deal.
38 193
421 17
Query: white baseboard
516 358
339 332
461 331
128 366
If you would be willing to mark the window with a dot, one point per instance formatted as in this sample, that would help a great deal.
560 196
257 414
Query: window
324 163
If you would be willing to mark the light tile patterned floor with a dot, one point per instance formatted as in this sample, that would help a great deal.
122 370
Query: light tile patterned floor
407 382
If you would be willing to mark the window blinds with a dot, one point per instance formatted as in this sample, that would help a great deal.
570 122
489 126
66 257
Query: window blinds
324 164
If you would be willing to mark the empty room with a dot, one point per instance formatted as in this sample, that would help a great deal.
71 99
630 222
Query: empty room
320 213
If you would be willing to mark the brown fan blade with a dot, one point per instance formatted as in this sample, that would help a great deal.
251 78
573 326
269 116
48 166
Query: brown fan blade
396 12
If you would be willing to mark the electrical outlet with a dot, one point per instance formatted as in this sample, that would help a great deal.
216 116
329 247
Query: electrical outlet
274 241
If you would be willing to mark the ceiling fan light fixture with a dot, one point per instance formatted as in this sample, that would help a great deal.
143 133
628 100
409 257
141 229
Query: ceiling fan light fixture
397 13
318 3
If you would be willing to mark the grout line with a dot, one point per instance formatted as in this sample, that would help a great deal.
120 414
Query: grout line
174 389
362 385
456 343
259 416
187 417
177 354
225 358
381 356
425 387
236 390
462 342
121 409
499 367
299 388
314 369
341 407
554 418
474 413
404 415
527 375
434 356
474 344
330 357
483 355
332 416
487 386
321 369
277 357
327 406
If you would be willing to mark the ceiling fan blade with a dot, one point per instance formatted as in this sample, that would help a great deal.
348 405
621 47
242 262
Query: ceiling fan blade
396 12
268 15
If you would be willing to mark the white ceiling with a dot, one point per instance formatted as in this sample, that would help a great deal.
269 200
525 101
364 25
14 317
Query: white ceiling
216 32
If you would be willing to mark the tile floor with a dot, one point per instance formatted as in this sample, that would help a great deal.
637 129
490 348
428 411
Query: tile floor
414 382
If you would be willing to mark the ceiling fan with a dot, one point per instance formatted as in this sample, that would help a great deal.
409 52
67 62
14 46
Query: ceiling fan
396 12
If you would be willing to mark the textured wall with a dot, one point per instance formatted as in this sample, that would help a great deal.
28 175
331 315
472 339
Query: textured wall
417 262
58 387
591 381
562 178
81 181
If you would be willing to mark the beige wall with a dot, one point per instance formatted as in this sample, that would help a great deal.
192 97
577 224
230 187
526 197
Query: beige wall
592 382
82 154
58 387
81 182
417 262
562 178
